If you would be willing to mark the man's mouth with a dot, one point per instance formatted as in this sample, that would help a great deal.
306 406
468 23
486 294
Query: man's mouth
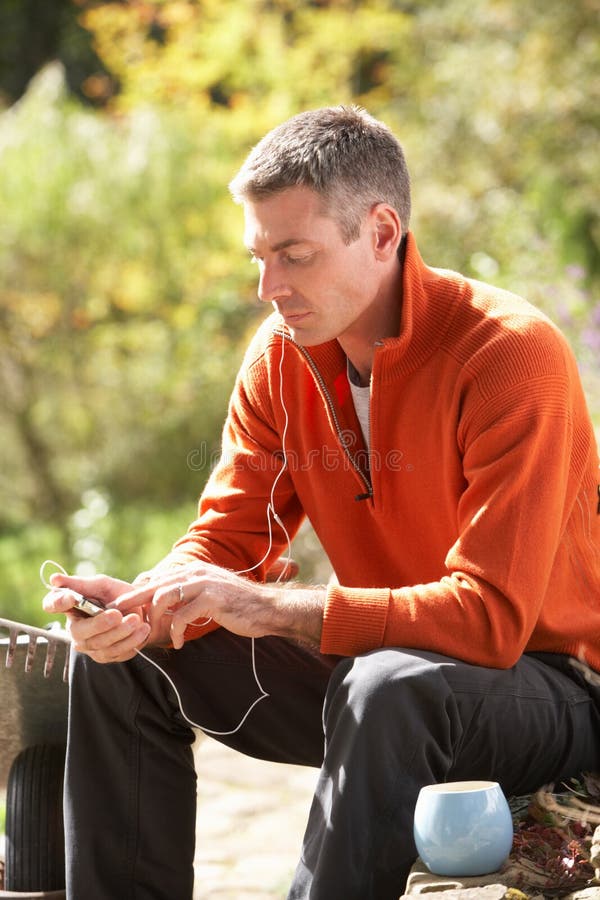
293 318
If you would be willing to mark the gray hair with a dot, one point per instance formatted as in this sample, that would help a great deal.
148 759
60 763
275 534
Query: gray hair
349 158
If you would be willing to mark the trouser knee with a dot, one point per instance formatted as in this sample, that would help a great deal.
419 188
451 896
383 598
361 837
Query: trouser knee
391 689
381 677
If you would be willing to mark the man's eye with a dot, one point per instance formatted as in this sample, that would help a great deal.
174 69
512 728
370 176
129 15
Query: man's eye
297 260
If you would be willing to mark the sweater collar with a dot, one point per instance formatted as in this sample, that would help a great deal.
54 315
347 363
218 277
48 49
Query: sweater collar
428 305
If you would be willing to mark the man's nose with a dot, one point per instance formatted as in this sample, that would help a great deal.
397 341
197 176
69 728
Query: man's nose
271 283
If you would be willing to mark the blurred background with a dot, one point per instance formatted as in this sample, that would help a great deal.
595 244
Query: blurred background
126 297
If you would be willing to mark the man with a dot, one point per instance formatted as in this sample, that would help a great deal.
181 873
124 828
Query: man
435 432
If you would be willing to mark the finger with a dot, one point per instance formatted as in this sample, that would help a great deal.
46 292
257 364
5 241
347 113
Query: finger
132 598
132 642
177 633
58 601
138 596
142 595
84 628
188 614
100 587
174 596
121 651
66 601
125 637
161 594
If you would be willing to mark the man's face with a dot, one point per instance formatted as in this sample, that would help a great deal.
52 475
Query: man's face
322 287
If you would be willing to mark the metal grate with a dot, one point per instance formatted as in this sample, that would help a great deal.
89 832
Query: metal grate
51 639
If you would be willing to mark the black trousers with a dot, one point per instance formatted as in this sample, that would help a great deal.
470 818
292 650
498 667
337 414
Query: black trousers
379 726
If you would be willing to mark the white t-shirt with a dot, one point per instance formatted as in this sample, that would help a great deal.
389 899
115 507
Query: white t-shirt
362 402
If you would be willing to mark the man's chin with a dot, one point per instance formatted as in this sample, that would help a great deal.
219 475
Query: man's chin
307 337
306 340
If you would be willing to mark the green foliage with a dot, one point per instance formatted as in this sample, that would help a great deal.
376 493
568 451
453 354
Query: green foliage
120 309
22 551
255 58
125 296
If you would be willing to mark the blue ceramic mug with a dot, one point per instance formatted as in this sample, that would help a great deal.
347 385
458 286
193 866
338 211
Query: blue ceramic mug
463 828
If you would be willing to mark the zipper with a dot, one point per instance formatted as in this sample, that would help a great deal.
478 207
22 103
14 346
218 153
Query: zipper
368 493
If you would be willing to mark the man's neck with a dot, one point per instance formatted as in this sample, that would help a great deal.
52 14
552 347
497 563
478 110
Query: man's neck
382 321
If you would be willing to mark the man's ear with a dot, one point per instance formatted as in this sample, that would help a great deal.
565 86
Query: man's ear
387 231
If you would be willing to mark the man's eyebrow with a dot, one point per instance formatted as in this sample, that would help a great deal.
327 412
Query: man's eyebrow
283 245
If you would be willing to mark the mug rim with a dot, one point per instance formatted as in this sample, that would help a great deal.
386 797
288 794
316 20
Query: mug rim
459 787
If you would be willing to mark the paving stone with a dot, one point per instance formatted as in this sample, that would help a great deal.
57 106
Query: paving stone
251 819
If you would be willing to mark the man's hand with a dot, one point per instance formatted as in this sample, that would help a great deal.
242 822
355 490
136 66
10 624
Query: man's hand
200 592
109 636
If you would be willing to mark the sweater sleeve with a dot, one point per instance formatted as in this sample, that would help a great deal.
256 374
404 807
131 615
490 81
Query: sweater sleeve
526 449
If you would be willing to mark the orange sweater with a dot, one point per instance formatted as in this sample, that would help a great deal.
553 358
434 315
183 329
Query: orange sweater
472 526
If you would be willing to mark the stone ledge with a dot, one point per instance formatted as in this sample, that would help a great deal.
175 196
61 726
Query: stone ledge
496 886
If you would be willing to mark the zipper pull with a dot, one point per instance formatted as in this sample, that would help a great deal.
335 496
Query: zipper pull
366 496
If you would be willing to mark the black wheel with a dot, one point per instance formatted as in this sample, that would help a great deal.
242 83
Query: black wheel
35 839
